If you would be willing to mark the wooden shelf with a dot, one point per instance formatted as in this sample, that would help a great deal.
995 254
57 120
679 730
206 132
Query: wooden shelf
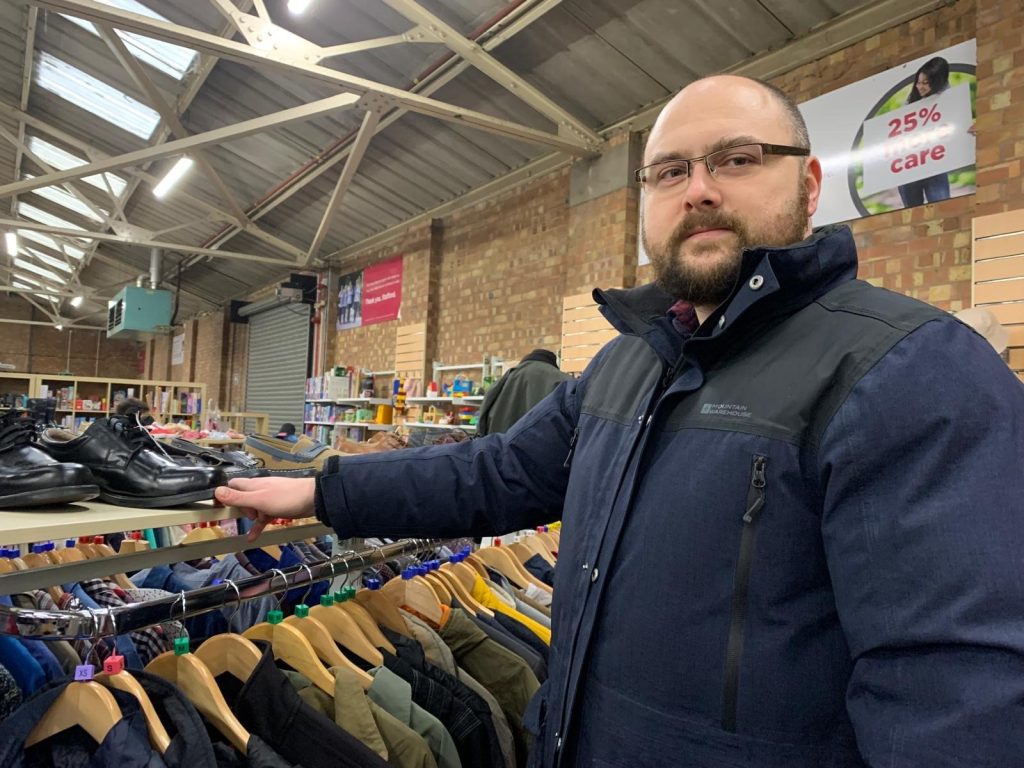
468 400
421 425
91 518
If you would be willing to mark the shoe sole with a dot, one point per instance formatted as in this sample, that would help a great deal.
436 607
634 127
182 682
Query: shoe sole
155 502
63 495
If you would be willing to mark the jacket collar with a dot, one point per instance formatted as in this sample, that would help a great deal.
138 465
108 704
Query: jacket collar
792 276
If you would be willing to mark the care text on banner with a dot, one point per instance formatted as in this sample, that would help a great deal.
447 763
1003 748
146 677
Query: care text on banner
382 291
919 141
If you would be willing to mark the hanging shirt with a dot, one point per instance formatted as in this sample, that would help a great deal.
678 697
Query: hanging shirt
268 706
190 747
10 695
507 640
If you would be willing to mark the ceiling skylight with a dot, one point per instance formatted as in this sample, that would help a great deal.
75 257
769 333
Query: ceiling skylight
55 157
27 283
168 58
60 197
46 274
44 217
50 242
48 260
94 95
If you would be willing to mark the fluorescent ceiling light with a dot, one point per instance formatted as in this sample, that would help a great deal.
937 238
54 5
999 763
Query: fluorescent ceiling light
59 326
55 157
11 239
179 169
94 95
76 302
298 6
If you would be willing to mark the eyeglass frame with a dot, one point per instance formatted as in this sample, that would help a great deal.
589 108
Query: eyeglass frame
766 149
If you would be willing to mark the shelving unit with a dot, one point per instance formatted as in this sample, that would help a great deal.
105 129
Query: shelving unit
327 403
16 388
22 527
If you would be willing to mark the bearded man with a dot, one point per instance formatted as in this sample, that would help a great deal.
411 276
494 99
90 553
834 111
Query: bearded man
793 505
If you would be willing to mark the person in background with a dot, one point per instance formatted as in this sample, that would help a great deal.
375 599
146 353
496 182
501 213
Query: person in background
931 79
988 326
287 432
518 391
793 511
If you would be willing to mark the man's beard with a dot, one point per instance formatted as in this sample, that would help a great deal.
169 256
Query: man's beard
709 284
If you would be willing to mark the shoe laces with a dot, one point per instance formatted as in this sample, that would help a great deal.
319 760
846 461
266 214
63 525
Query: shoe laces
15 431
136 435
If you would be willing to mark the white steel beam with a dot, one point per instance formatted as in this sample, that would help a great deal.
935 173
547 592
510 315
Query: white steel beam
156 100
26 85
355 157
267 55
528 15
142 243
68 324
474 53
184 146
415 35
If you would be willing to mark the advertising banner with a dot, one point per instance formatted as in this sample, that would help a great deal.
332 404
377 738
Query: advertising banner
898 139
350 293
382 291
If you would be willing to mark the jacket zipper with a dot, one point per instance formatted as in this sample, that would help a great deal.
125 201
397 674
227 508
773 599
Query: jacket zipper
734 651
572 447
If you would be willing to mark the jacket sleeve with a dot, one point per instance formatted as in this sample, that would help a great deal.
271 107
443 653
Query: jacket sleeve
923 527
482 487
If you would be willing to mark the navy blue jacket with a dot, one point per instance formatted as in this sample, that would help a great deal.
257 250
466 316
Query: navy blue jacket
795 540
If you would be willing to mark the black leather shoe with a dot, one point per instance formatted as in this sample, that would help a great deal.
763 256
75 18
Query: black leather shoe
129 467
30 477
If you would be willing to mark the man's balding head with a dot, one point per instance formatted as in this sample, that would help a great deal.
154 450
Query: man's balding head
699 217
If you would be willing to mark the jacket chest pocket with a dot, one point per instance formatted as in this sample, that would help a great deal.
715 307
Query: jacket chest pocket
755 502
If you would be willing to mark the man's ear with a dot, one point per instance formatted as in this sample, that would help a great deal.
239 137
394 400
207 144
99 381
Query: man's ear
812 178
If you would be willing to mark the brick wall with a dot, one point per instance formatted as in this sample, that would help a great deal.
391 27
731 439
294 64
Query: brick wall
44 349
210 356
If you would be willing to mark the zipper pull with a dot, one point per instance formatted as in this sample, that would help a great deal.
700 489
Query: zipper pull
572 447
758 482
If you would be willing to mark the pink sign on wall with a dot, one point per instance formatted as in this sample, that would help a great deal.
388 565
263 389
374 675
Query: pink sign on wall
382 291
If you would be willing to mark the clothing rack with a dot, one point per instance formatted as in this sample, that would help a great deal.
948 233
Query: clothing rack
94 623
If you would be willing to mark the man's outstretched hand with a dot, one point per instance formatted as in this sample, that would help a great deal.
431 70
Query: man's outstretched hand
263 499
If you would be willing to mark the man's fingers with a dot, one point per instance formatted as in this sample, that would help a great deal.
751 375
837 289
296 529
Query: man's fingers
229 496
257 529
245 483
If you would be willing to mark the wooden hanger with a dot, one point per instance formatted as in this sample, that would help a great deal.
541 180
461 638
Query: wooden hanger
383 611
6 566
123 681
69 555
461 578
549 541
346 632
86 704
326 649
364 619
520 551
415 594
34 560
440 588
197 683
231 653
503 562
477 565
292 647
99 549
198 534
532 542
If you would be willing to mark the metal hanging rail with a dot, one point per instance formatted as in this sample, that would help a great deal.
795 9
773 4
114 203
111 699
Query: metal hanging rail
84 624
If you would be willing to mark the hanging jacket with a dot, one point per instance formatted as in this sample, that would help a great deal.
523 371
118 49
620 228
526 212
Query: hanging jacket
791 540
517 392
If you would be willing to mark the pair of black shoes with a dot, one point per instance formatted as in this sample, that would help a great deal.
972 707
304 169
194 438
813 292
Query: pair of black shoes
116 459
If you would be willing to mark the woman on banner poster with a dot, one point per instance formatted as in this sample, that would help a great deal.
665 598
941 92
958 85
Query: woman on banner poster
931 80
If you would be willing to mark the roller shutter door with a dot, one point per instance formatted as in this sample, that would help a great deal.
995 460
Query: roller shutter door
279 345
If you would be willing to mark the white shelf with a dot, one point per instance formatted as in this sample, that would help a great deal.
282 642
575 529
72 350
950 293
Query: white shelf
320 423
355 401
366 425
419 425
91 518
469 400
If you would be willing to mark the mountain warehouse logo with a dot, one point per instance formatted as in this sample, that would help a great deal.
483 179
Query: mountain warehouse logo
725 409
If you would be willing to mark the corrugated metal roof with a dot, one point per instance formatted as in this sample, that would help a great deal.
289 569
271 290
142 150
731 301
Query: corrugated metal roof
601 60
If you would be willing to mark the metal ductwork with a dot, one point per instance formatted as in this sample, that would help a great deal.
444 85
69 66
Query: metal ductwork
156 258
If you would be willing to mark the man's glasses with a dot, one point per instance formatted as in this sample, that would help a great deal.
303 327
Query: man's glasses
729 163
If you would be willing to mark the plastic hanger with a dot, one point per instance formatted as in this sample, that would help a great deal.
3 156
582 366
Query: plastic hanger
196 681
114 676
291 646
